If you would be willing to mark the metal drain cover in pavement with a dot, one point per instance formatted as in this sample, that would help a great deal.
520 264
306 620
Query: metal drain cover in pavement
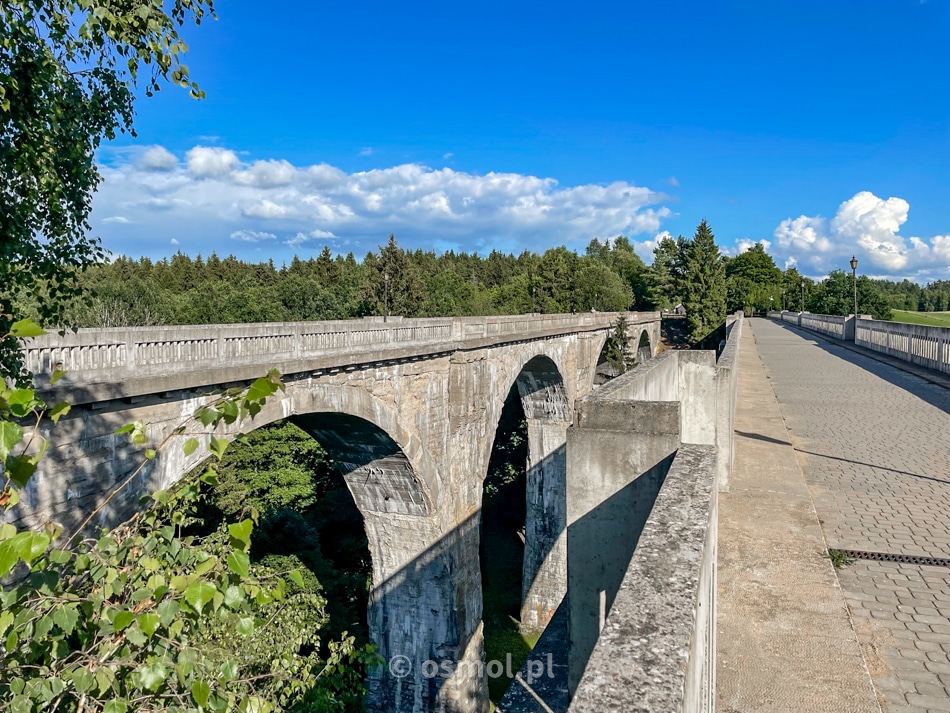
891 557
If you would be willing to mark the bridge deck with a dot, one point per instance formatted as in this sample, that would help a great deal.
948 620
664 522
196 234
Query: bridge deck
873 443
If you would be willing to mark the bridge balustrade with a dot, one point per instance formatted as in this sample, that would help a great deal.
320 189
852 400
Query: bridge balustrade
915 343
121 356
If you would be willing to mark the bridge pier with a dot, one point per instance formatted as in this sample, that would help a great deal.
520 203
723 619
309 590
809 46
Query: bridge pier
544 577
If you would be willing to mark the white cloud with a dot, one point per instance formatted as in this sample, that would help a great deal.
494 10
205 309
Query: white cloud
211 161
267 174
366 151
868 227
252 236
673 182
745 244
117 219
158 158
212 193
174 241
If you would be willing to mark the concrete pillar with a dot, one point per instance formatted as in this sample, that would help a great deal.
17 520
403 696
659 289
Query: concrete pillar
544 576
425 617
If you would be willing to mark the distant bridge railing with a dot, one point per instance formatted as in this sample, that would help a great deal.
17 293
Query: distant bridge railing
122 362
915 343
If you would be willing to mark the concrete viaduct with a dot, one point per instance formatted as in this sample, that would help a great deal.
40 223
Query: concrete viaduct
407 408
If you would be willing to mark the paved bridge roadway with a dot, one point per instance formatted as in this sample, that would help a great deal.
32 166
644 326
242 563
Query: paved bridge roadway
873 442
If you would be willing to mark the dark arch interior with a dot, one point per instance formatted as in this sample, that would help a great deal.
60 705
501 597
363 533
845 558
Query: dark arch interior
644 349
501 545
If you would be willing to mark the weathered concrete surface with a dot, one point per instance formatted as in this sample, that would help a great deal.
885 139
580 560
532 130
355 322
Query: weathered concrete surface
786 643
872 442
653 650
646 456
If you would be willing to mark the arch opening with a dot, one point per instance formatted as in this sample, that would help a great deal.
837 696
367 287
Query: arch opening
524 510
328 486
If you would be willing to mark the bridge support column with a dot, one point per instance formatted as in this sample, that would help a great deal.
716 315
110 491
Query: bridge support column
425 617
544 577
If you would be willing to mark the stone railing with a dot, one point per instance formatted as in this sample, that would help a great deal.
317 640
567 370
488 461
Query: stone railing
915 343
647 456
110 363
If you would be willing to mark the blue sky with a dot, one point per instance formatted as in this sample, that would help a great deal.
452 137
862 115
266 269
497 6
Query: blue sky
821 127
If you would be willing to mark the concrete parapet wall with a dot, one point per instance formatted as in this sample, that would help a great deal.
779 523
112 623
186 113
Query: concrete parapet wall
915 343
727 382
656 650
646 456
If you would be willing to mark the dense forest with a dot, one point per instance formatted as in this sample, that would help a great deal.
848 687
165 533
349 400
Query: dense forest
608 276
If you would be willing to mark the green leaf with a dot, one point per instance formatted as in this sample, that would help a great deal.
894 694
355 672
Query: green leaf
56 376
240 533
150 676
65 618
261 388
296 577
199 594
206 566
217 446
116 706
21 402
239 563
20 469
190 446
229 670
10 435
30 545
148 623
245 626
150 453
122 620
167 611
59 410
200 692
25 328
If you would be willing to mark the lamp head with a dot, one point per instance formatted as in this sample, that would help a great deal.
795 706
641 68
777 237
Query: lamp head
854 263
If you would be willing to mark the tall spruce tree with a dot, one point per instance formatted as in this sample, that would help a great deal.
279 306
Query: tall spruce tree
704 284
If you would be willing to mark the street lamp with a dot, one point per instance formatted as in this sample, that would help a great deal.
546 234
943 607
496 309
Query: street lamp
771 303
803 295
854 280
386 297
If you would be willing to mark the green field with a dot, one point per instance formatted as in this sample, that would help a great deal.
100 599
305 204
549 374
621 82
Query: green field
931 319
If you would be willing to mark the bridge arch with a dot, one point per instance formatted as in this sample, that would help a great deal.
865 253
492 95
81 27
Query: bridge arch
547 406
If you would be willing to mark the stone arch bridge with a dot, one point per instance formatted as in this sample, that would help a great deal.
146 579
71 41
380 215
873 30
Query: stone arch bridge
408 409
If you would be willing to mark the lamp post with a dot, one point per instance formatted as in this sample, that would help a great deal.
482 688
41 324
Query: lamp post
854 280
803 295
771 303
385 296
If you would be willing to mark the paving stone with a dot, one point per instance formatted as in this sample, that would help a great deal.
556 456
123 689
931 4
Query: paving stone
871 441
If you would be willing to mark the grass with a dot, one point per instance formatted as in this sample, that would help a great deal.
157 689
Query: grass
839 559
929 319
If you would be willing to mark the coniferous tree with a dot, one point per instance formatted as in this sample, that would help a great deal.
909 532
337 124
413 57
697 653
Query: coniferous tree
704 284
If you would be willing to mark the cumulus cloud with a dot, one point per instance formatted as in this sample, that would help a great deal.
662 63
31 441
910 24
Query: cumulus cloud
868 227
211 161
117 219
745 244
157 158
174 241
212 192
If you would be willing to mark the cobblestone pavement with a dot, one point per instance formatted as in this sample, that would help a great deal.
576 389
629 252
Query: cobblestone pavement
874 446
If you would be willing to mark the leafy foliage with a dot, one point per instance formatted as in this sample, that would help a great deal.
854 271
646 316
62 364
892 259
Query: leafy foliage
66 75
144 618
